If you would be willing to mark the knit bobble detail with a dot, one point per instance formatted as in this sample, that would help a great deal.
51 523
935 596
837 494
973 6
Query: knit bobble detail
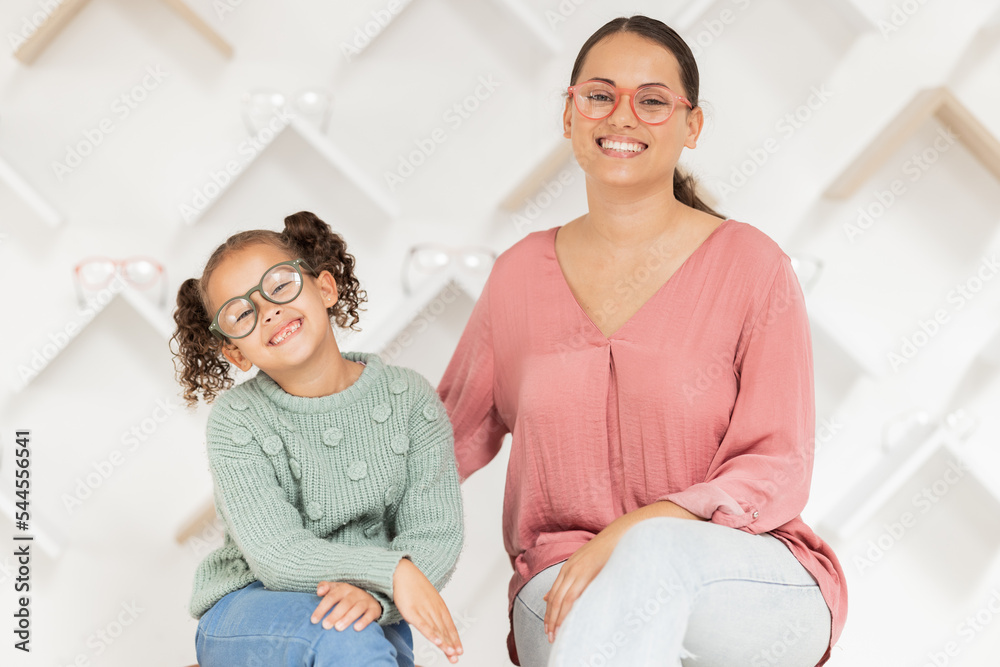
397 386
333 436
430 412
381 412
357 470
242 436
295 468
272 445
314 511
400 443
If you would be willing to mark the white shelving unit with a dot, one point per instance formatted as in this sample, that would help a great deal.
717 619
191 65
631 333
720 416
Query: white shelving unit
65 10
339 160
155 317
31 197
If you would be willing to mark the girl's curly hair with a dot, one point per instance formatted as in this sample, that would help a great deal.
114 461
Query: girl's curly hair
202 368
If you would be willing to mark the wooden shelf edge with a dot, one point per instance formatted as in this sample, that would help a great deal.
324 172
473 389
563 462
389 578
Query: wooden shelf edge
33 46
197 21
931 102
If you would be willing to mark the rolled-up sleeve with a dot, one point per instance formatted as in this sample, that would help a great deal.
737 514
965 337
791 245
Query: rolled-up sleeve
759 477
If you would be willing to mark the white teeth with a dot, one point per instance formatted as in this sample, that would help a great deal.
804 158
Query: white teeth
622 146
287 332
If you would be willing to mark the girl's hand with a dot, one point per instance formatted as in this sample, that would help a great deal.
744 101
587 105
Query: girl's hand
573 579
351 603
421 604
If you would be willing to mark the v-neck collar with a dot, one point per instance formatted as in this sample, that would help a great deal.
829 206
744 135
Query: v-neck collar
551 246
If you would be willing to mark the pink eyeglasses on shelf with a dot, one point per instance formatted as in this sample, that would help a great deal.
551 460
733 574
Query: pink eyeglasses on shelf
95 273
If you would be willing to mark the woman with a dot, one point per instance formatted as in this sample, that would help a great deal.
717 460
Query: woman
653 364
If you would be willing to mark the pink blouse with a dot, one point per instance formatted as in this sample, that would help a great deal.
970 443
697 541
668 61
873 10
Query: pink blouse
703 398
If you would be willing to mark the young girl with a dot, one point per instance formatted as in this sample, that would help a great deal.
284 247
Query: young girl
334 473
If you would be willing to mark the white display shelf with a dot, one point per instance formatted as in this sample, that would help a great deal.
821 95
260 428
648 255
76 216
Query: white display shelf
531 24
895 468
14 181
927 104
155 317
848 338
66 10
854 13
339 160
557 155
378 338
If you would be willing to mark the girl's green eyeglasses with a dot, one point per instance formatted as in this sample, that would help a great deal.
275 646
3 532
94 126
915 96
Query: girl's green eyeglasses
281 283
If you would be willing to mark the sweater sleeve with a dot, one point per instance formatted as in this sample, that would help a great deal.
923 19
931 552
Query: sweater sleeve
466 389
429 521
759 478
268 529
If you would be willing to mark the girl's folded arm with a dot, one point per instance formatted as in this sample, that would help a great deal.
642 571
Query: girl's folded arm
281 552
428 524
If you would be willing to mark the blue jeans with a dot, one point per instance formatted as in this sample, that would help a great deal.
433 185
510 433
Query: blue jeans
680 592
256 627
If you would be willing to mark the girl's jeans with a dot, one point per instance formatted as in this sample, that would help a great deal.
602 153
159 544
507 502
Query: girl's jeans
682 592
256 627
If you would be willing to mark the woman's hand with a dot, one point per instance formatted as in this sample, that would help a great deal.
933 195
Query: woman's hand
351 603
421 605
573 579
581 568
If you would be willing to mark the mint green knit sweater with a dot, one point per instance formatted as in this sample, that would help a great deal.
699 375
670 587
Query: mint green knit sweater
335 488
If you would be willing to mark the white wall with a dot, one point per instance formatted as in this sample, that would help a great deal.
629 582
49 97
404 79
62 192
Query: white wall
912 586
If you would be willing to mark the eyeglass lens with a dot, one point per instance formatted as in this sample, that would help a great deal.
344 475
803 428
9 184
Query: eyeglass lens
596 99
280 285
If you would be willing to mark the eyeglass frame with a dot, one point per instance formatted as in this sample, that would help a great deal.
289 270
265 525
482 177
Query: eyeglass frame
621 92
451 252
119 270
217 331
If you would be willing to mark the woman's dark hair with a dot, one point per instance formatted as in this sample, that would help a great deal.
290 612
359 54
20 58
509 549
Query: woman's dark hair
202 369
685 186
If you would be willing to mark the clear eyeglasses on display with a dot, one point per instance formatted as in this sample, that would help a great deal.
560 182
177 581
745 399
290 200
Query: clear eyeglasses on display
96 273
427 259
263 104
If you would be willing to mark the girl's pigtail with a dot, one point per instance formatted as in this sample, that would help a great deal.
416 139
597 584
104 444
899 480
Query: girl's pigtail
326 250
202 367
